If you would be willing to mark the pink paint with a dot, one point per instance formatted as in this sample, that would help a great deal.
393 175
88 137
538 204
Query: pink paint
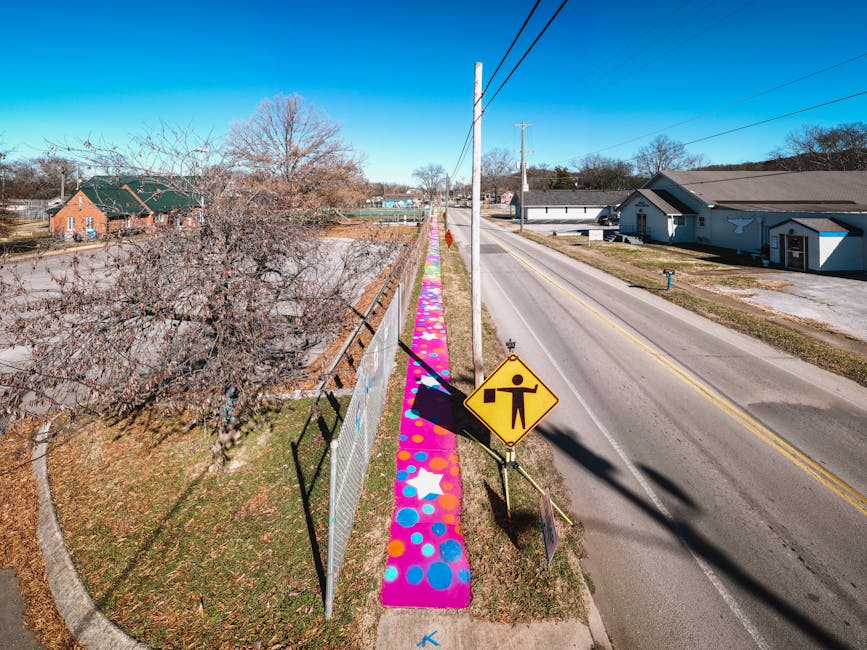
427 563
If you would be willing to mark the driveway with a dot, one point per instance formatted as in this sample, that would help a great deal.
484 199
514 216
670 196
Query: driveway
840 303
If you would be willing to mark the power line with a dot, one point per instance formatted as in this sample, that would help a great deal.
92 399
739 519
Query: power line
777 117
493 76
514 40
529 49
506 80
733 104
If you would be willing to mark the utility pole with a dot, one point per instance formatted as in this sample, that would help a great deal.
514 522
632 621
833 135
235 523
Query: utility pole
524 187
446 207
475 248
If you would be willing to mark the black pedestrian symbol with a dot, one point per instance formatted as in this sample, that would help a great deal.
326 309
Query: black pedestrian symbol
517 392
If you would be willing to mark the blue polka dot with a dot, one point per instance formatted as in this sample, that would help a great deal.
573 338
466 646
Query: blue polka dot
402 475
416 538
407 517
427 550
421 455
416 363
402 438
409 491
434 354
411 469
439 575
445 372
432 496
390 574
414 390
428 509
410 414
439 528
414 575
450 551
464 575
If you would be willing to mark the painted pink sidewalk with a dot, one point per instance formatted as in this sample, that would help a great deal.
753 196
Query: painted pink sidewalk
426 557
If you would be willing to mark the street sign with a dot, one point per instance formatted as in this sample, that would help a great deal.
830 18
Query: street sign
511 401
549 529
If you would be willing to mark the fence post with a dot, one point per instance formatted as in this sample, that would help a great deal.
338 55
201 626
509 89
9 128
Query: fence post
332 520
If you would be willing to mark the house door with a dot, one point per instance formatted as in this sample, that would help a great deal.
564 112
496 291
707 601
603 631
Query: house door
641 223
796 253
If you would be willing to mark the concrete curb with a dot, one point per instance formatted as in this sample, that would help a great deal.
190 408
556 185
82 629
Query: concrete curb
88 625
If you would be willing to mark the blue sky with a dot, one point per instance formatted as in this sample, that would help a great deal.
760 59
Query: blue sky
398 76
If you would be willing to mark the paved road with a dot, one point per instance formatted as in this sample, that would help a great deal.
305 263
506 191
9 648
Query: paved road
721 482
13 634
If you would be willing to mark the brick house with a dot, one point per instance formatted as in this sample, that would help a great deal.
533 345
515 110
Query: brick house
109 204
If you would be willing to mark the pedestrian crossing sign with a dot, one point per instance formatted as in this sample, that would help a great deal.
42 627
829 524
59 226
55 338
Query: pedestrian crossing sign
511 401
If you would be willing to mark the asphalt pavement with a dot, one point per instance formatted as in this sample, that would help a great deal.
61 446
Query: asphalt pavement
13 634
720 482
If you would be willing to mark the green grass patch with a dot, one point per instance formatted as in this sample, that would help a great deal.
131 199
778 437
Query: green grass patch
182 556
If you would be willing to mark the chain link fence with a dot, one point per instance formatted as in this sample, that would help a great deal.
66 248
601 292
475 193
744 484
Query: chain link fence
350 451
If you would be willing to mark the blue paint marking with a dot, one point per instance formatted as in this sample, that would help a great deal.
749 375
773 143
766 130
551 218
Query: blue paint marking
428 638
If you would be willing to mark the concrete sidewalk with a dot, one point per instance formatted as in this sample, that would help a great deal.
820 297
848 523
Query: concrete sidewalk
429 628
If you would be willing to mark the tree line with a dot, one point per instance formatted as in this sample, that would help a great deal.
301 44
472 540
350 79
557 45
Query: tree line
810 148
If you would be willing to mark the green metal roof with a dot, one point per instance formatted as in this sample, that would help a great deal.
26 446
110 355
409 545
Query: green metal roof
159 193
114 201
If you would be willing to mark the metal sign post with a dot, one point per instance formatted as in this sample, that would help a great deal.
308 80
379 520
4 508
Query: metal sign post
510 403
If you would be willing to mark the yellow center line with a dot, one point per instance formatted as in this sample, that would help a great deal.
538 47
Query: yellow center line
794 455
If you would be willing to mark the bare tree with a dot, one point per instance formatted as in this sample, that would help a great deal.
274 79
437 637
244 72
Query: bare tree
664 153
203 319
498 168
431 180
842 147
597 172
5 227
293 156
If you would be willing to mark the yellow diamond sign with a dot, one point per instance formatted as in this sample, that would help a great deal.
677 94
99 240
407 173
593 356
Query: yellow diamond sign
511 401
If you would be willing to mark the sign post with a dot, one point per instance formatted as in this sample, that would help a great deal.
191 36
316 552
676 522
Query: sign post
549 528
511 402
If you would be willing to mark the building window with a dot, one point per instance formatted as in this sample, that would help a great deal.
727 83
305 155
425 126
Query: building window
80 200
88 223
161 218
70 223
679 220
701 222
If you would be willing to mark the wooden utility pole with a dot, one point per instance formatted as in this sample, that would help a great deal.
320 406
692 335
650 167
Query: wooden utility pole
524 187
475 247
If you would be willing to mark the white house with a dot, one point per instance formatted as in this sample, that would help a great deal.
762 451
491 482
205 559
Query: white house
801 220
540 205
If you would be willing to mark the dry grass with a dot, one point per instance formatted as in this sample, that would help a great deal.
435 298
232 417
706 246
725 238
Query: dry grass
182 556
511 580
19 549
641 265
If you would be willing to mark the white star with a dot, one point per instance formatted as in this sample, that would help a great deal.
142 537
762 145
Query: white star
426 483
429 336
430 382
